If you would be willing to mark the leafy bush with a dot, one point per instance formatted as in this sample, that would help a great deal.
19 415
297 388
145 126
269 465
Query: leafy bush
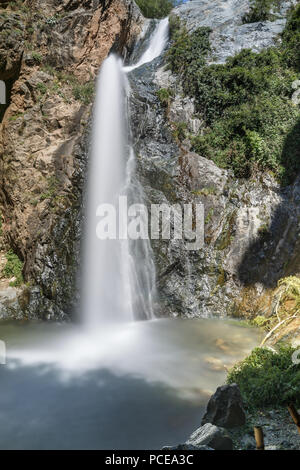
52 189
165 95
268 378
291 40
41 87
179 131
37 57
262 134
186 57
261 10
156 8
84 93
174 25
13 268
251 122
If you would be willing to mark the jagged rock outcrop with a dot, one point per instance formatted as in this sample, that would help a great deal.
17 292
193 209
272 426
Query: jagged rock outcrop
251 226
50 52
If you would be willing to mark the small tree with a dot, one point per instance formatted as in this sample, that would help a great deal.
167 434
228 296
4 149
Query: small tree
157 8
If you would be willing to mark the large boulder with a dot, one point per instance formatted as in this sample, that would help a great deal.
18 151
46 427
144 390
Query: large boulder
225 407
211 436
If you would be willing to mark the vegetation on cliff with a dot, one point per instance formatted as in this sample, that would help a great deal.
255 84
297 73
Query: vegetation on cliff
186 57
285 305
156 8
268 378
251 122
262 10
13 269
276 311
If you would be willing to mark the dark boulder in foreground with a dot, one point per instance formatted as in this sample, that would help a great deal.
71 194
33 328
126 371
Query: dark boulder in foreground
225 408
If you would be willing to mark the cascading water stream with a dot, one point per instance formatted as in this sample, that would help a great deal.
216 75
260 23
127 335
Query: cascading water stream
103 290
156 47
118 275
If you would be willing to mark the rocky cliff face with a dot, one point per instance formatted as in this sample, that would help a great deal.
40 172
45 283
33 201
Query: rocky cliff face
251 226
53 54
50 52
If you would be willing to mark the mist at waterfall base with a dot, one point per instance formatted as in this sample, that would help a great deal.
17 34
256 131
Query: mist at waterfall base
112 382
137 386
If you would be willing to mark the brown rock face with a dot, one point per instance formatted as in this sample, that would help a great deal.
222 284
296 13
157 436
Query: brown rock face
50 52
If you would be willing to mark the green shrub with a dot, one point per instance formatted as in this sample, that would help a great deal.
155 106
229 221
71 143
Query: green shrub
263 134
51 21
37 57
49 69
187 55
41 87
260 321
179 131
261 10
174 25
250 121
291 40
165 95
156 8
13 268
268 378
52 189
83 93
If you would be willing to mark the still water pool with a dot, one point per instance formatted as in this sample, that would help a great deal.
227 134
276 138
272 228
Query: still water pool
133 386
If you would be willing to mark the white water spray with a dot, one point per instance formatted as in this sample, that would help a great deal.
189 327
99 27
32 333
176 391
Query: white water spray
118 275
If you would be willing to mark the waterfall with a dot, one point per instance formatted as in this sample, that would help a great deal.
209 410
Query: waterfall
104 290
118 279
157 45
